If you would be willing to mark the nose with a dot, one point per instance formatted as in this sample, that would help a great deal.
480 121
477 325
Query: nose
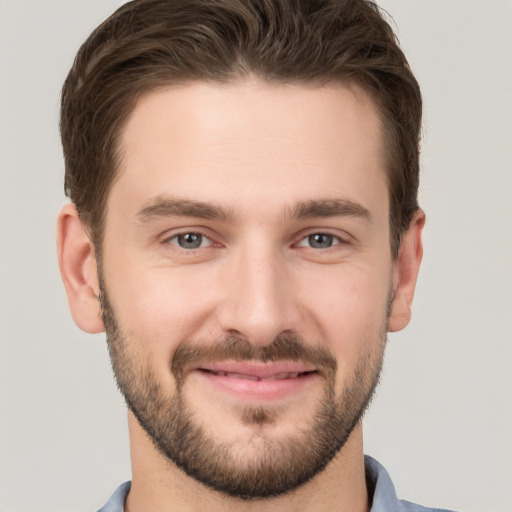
259 300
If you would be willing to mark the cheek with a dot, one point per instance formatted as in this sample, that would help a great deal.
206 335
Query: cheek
162 307
159 308
348 308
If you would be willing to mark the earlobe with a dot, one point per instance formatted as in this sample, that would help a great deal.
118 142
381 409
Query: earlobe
78 269
406 273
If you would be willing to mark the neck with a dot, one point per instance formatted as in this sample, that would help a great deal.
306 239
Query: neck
158 485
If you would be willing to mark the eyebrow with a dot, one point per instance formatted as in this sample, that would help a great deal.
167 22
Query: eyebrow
330 208
162 207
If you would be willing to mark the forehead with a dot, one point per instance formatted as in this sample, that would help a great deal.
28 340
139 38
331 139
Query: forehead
254 142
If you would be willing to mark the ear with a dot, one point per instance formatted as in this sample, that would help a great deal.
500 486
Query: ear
406 273
78 269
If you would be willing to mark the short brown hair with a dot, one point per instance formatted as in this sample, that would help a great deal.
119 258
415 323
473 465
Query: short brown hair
148 44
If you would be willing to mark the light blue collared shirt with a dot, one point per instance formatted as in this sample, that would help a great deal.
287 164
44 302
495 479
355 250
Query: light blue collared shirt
378 481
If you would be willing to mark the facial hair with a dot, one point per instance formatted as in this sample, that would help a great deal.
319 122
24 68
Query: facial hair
282 465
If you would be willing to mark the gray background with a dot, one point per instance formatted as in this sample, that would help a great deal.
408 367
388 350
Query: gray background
442 420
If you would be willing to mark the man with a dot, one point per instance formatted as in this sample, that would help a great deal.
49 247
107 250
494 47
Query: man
244 226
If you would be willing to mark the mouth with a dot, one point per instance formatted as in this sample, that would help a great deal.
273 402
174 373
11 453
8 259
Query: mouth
277 376
258 381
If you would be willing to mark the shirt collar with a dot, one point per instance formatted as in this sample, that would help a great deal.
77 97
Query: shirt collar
379 484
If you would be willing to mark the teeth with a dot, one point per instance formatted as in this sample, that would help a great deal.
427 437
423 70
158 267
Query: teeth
277 376
241 376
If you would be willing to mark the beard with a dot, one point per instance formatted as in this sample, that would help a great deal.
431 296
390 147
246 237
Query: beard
276 465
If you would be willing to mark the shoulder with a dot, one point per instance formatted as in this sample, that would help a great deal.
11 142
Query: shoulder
407 506
383 494
116 501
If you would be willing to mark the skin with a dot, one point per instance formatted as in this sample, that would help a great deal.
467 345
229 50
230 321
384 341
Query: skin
254 150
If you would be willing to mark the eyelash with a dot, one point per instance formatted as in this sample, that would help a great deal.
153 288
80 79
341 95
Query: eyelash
333 239
176 237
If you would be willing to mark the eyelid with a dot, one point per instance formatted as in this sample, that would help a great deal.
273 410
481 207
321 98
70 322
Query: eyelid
336 240
341 238
204 236
172 234
169 237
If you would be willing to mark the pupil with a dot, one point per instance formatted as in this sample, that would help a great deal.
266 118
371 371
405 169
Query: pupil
320 241
190 240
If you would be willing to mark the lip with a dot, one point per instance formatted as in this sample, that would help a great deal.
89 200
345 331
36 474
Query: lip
256 380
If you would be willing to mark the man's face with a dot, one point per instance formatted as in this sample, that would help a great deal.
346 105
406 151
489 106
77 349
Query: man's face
247 276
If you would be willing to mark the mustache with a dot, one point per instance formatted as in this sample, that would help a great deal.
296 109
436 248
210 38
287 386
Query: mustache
285 347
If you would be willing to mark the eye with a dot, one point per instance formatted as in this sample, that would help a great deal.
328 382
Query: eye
190 240
319 241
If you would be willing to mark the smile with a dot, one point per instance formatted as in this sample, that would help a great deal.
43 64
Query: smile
257 381
277 376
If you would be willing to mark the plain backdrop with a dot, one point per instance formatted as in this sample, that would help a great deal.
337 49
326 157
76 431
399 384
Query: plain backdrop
442 421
